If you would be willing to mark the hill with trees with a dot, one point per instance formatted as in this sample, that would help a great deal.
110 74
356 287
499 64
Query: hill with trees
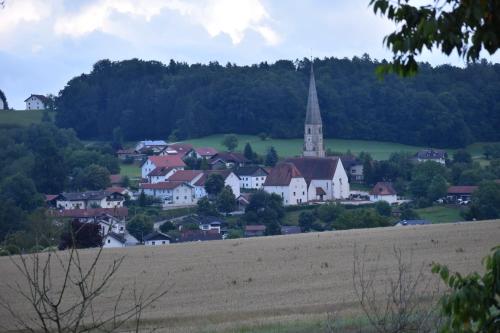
443 106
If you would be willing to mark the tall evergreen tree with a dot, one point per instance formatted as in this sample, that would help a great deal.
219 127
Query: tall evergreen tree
271 157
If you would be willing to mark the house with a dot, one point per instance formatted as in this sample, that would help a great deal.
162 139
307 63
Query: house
460 193
189 176
160 174
166 162
199 236
286 181
255 230
412 222
179 149
113 240
227 160
36 102
251 177
230 179
154 146
438 156
89 214
203 152
288 230
353 167
156 238
243 200
130 153
205 223
171 194
122 190
89 199
383 191
325 177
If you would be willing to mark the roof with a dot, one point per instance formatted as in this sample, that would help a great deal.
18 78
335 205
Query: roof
413 222
255 227
152 143
118 237
383 188
229 157
199 235
50 197
206 151
90 212
315 167
244 198
181 148
431 154
116 189
115 179
313 114
350 160
87 195
162 185
167 161
282 174
160 171
287 230
126 151
461 189
224 173
156 235
44 99
251 171
185 175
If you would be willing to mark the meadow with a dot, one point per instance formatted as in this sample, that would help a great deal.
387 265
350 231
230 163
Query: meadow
21 118
272 284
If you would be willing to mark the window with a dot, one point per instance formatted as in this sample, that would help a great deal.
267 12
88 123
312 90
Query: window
152 243
185 197
163 242
327 186
303 193
309 131
109 241
293 193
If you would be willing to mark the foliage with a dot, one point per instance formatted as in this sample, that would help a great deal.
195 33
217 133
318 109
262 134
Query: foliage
226 201
360 218
423 176
92 177
437 188
205 208
81 235
266 209
462 156
491 151
464 27
230 141
306 221
248 152
214 184
20 190
383 208
485 202
139 226
407 213
271 157
4 100
472 305
167 227
442 107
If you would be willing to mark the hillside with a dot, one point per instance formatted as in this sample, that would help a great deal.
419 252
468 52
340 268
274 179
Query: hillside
293 280
21 118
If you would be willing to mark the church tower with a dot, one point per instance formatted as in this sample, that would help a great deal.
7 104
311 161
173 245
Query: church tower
313 130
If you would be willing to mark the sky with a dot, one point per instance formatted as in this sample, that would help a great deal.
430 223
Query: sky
45 43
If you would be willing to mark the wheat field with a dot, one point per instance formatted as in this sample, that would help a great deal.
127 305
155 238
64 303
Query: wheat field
225 285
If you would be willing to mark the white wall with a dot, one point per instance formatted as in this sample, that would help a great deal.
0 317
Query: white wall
341 189
234 183
34 103
110 242
389 198
293 194
156 242
183 196
255 182
325 184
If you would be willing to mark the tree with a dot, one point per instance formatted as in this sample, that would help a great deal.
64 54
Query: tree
226 201
472 305
266 209
2 95
485 202
262 136
117 138
230 141
21 191
167 227
214 184
437 188
383 208
139 226
306 221
81 235
271 157
466 27
462 156
248 152
205 208
142 199
93 177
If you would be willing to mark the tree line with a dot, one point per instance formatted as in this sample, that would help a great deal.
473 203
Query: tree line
442 106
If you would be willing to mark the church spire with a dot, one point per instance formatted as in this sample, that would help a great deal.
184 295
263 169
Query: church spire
313 115
313 127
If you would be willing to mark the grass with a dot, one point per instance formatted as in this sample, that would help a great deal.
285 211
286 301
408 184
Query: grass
132 171
440 214
291 147
21 118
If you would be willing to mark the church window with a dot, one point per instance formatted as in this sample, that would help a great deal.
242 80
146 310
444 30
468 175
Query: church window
319 130
308 131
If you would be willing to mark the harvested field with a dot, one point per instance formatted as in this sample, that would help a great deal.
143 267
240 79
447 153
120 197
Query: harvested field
226 284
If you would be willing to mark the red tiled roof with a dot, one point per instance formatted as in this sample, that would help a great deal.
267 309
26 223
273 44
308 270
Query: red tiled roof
167 161
383 188
184 175
50 197
206 173
181 148
118 189
160 185
461 189
90 212
282 174
160 171
206 151
115 179
315 167
229 157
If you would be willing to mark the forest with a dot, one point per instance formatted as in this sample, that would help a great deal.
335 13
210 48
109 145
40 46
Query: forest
442 106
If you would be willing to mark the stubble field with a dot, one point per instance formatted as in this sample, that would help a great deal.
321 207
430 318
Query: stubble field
292 280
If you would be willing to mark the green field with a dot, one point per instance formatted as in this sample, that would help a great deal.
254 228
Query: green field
293 147
440 214
21 118
130 170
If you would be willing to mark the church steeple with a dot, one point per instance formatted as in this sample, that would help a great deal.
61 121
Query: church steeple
313 129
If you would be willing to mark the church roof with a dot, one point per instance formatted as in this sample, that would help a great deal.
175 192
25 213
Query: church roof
313 115
282 174
315 167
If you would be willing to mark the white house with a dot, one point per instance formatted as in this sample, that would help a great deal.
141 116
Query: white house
113 240
171 193
286 181
166 162
383 191
89 199
2 106
36 102
230 179
325 177
156 238
252 177
154 145
438 156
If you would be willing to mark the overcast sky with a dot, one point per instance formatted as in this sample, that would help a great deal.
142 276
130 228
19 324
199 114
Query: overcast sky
44 43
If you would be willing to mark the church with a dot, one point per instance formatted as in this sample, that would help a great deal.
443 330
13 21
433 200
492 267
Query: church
312 177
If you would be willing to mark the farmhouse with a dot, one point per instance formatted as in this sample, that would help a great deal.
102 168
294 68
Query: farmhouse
130 153
460 193
255 230
252 177
170 193
353 167
179 149
166 162
289 230
36 102
154 146
286 181
203 152
113 240
438 156
230 179
383 191
227 160
156 238
89 199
